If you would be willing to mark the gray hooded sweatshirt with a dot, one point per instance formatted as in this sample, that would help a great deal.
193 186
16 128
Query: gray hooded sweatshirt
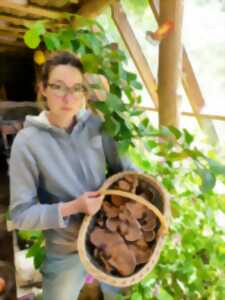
49 166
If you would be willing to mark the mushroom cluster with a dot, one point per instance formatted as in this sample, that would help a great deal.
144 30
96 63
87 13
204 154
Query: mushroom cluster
124 231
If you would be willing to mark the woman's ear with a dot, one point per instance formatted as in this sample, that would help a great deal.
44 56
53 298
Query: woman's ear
41 89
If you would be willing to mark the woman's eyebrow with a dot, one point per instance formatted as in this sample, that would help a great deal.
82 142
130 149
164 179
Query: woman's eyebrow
61 81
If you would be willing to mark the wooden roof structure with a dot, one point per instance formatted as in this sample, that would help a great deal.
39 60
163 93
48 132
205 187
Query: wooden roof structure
14 14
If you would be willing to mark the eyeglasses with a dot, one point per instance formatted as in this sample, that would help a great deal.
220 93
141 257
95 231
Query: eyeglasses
62 90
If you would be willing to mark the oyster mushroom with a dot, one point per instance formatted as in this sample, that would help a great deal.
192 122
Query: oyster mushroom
149 236
136 209
110 210
112 224
141 255
112 244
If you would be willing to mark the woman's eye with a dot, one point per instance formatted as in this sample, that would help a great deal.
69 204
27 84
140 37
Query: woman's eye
79 88
57 87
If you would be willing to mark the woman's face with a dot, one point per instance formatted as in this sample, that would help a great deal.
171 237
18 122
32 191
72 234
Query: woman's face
65 91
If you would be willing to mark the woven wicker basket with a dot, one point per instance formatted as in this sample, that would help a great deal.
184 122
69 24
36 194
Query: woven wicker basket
160 206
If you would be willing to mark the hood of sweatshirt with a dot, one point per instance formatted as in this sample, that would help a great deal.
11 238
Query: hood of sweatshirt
41 121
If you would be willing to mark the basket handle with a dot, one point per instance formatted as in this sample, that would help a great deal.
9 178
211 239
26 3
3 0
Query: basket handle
164 227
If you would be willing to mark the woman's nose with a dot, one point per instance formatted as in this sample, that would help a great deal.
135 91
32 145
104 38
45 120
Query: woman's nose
68 97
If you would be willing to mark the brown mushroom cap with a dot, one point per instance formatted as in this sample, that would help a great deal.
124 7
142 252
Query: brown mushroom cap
150 221
112 244
117 200
130 178
112 224
124 185
136 209
125 262
105 262
142 244
141 255
149 236
110 210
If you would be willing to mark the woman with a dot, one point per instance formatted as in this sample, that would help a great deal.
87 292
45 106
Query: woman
57 165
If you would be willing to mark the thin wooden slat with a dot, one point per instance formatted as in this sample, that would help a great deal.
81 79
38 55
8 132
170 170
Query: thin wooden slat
12 29
33 10
15 49
10 33
14 20
189 114
4 42
135 50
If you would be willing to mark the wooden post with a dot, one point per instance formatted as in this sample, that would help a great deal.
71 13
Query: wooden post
170 58
191 87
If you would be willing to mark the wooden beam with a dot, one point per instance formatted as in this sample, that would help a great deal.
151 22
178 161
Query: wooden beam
188 114
127 34
23 21
170 58
17 49
14 20
191 86
4 42
33 10
12 29
10 34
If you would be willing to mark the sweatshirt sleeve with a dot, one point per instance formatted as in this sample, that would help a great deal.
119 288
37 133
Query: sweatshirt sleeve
25 210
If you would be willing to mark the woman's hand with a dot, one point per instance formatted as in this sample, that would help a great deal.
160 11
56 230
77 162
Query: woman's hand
88 203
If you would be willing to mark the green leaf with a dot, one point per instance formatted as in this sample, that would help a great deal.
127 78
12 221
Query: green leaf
216 167
136 112
188 137
175 156
114 103
111 126
195 153
101 106
37 27
89 40
131 76
136 296
151 144
165 132
52 41
119 297
123 146
37 251
91 63
137 85
164 295
66 36
31 39
29 234
208 180
176 132
145 122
